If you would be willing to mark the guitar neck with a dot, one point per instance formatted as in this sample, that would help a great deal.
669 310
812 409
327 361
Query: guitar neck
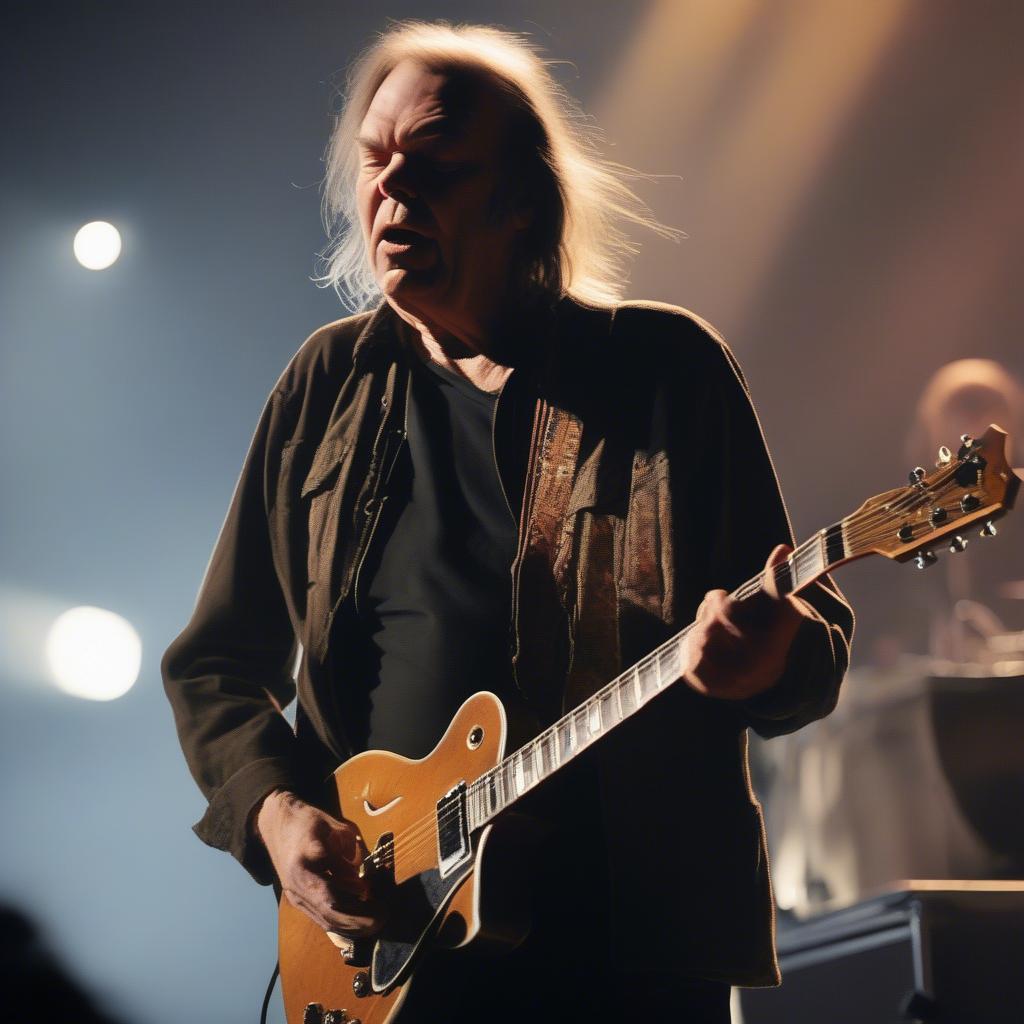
536 761
975 484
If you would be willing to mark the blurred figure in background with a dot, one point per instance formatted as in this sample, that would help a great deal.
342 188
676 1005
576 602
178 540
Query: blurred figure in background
953 610
911 775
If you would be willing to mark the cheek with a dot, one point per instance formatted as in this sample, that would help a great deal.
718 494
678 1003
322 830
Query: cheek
368 200
474 224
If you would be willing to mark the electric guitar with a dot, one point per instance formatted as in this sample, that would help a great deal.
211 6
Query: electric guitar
434 829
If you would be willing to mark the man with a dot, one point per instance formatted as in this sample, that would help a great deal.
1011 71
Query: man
486 449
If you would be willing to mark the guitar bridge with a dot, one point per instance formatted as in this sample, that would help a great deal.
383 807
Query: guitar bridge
452 830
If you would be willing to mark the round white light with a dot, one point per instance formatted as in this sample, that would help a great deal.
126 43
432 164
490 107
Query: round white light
93 653
97 245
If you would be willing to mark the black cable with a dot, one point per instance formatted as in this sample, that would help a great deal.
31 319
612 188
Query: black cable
270 992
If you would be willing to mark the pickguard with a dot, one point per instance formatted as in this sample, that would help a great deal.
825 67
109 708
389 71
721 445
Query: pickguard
417 910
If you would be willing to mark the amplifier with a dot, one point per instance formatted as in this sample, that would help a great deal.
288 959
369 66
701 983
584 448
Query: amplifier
951 952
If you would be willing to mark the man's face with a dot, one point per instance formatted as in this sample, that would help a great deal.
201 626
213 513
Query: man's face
438 236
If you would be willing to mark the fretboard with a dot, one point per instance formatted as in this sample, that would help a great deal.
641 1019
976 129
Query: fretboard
624 696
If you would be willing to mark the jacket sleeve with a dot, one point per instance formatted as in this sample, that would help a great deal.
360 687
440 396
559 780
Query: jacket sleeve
751 519
228 674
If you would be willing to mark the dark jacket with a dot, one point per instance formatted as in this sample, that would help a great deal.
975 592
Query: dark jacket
647 484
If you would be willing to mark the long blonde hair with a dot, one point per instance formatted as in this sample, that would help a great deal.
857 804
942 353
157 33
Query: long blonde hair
584 201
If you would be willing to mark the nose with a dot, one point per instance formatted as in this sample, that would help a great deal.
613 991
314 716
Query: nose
395 182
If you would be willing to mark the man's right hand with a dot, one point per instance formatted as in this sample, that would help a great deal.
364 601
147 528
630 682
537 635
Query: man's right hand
317 860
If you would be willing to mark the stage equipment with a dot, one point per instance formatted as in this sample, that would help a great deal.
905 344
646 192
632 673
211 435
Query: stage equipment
946 951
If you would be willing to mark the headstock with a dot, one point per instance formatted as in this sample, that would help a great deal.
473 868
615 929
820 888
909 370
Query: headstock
973 485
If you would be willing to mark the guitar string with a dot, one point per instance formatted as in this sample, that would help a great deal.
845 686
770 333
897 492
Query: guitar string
878 530
871 526
918 498
422 832
864 525
414 839
914 497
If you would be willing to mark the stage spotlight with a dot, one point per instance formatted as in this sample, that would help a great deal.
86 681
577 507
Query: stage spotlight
93 653
97 245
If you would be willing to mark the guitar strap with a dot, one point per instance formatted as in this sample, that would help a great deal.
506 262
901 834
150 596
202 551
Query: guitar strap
567 626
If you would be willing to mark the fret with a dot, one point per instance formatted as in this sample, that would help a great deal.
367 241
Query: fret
594 716
579 720
610 713
668 665
547 754
625 692
529 760
519 774
565 741
802 566
639 681
646 679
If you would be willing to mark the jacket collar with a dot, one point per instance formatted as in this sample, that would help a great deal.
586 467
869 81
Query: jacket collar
380 332
564 316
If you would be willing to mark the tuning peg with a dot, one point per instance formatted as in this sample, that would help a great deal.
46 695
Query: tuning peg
925 558
916 475
313 1014
988 530
958 543
966 444
945 457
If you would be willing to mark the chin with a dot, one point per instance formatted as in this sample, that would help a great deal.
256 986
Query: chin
399 283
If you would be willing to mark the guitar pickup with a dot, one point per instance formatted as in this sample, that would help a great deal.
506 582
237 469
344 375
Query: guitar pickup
452 830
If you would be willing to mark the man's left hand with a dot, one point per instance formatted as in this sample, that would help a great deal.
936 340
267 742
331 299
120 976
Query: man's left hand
738 649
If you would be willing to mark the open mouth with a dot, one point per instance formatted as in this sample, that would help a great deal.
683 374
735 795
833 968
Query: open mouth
401 236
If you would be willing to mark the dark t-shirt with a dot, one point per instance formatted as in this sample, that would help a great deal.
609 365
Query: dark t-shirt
434 595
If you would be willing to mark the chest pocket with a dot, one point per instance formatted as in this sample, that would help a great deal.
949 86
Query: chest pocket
321 499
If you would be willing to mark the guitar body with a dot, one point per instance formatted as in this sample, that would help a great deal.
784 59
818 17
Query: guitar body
386 796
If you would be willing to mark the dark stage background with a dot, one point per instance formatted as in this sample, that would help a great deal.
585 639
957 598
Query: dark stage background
848 175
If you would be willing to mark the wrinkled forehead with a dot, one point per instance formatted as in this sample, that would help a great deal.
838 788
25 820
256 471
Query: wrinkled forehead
416 98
